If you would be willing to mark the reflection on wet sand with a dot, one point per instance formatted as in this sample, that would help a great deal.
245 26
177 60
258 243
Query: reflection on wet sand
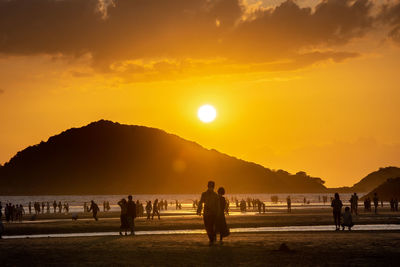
315 228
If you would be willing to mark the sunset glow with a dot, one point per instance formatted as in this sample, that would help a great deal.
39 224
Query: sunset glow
304 85
207 113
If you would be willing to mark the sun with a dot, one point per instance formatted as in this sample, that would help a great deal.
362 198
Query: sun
207 113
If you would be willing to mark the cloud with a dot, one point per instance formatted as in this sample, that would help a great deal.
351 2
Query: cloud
1 91
390 15
114 32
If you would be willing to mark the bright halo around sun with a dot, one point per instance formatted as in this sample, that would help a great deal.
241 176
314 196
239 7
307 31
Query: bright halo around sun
207 113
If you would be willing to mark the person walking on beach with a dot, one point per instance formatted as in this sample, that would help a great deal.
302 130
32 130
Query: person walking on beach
155 210
337 210
289 204
221 226
148 210
30 207
94 208
124 217
211 202
55 206
131 214
354 204
376 202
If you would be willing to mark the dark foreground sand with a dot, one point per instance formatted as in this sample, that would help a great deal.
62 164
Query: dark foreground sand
356 248
307 249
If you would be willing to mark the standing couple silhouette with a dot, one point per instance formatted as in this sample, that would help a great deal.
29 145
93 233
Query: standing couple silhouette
213 213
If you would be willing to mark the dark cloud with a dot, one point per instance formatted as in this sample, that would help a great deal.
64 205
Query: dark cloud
1 91
120 30
390 15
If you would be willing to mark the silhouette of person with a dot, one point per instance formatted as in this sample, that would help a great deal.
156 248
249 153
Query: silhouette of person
355 203
337 210
7 212
148 210
124 217
243 205
211 202
392 204
289 204
131 214
94 208
227 206
1 229
55 206
221 226
376 202
155 210
347 219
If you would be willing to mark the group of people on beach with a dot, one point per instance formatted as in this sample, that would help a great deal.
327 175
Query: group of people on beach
213 206
13 213
367 203
337 205
39 207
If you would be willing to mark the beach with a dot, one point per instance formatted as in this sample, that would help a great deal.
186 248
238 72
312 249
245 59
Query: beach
305 249
358 247
109 221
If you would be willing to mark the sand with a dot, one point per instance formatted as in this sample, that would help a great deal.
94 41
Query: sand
306 249
357 248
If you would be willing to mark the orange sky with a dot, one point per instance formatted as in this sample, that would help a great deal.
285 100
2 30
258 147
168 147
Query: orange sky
313 89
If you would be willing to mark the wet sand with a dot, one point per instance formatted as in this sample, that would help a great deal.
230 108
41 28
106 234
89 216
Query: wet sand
261 249
109 222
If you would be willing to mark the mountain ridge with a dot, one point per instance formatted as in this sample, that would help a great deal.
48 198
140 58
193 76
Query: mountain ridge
105 157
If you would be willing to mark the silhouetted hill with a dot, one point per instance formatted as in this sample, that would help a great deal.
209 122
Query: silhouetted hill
109 158
374 179
369 182
386 191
